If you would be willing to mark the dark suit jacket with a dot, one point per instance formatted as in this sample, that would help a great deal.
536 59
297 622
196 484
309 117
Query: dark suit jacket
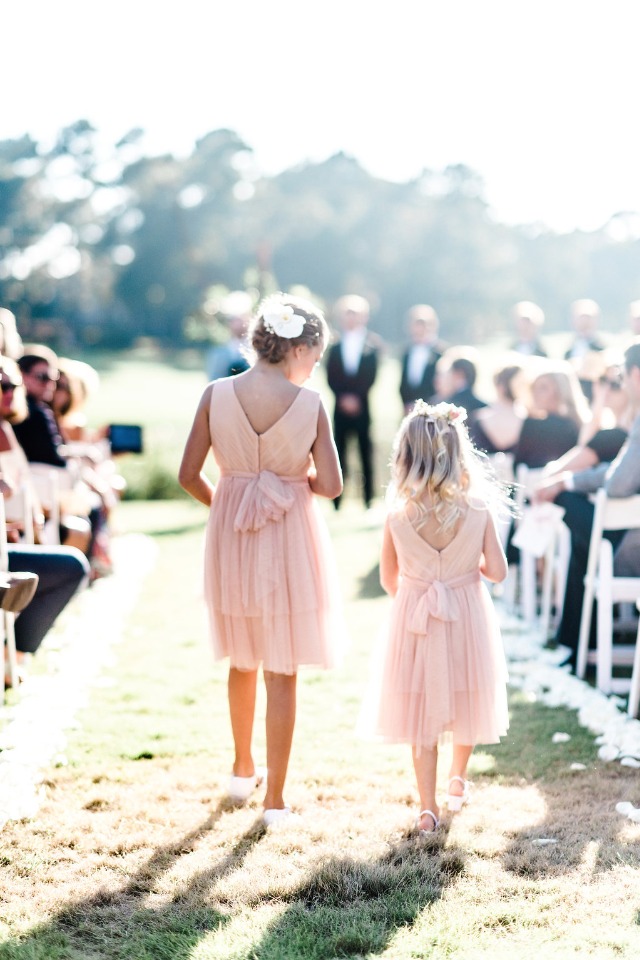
360 382
38 435
466 398
410 392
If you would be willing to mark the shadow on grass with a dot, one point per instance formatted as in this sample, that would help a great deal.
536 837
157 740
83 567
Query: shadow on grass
120 925
348 907
344 907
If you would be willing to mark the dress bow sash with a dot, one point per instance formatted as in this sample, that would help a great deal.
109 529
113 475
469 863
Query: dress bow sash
266 497
437 600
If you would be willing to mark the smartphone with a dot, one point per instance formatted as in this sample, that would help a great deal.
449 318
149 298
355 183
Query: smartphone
125 438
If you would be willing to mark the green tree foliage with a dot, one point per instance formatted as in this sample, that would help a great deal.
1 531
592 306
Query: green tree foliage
101 244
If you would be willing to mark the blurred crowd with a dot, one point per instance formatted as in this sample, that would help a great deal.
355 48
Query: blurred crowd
58 483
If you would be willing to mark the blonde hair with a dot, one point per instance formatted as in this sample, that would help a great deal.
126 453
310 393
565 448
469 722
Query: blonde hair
435 466
572 402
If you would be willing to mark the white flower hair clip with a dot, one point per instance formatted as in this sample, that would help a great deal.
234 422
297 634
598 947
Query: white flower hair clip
281 319
448 412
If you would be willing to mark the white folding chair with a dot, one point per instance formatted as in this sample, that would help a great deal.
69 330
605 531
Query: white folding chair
600 584
527 479
634 692
46 483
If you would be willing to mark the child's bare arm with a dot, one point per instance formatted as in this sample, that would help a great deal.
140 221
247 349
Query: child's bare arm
493 564
389 571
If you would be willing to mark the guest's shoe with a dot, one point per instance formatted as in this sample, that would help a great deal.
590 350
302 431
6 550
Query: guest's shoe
241 788
455 802
421 831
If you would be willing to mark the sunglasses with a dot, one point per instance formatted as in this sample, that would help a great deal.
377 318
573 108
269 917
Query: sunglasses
7 387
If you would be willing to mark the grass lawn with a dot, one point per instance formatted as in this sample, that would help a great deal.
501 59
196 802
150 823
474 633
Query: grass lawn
136 855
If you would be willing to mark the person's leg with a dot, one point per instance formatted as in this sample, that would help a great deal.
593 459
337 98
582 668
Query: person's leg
459 763
340 434
61 571
281 716
241 688
366 458
578 517
425 764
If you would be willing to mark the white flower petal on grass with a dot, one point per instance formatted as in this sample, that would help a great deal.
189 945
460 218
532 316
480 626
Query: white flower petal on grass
630 762
634 815
578 766
608 752
544 841
560 737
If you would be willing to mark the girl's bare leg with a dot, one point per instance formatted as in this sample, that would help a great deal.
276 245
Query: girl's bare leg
425 764
459 762
242 707
281 717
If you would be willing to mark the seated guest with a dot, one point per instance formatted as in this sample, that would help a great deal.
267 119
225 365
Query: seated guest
570 490
38 433
421 356
557 412
602 437
61 570
90 452
496 427
456 374
528 318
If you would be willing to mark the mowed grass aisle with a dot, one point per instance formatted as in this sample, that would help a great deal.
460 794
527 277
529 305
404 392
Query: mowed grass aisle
136 855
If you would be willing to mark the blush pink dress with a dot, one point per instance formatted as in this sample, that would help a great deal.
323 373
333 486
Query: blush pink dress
442 669
271 590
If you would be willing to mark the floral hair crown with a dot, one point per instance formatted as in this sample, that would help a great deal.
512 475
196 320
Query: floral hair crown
440 411
281 319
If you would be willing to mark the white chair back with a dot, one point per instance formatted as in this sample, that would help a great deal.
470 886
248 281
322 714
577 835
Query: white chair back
600 584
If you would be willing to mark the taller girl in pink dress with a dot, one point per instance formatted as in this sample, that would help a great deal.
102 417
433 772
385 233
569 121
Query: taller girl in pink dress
270 586
443 669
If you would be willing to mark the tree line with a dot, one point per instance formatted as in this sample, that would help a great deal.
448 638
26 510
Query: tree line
101 245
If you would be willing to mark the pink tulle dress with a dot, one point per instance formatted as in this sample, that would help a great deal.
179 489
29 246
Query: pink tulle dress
441 669
271 590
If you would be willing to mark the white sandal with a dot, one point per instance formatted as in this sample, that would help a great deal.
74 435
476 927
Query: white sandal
436 823
456 802
241 788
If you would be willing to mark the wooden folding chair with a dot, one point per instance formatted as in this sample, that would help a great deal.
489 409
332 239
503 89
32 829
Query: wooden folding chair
621 513
7 619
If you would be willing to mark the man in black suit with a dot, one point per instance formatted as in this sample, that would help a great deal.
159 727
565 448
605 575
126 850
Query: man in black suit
421 356
352 366
455 378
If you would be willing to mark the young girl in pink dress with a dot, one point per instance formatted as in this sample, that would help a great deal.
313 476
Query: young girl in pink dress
270 589
443 669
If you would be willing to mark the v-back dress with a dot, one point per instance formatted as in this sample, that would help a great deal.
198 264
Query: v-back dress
443 668
271 590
